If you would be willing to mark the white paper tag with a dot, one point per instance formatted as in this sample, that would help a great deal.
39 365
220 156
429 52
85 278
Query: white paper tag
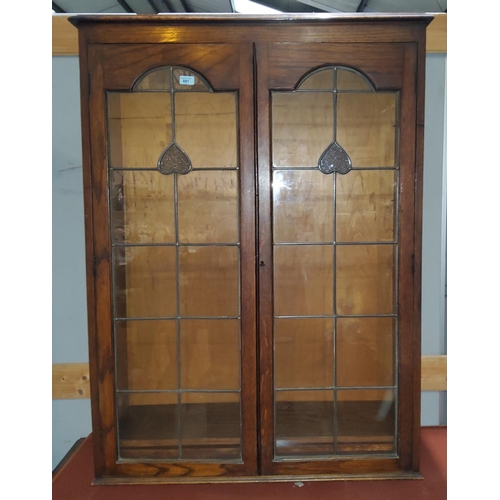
186 80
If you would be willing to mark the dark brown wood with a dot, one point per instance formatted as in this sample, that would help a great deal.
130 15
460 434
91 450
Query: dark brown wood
266 421
89 250
381 63
102 263
75 481
170 31
252 55
219 63
417 264
243 19
403 60
406 319
248 260
108 67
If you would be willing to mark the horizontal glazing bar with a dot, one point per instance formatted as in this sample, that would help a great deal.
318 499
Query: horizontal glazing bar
339 243
175 245
337 91
343 243
175 317
217 169
187 460
332 387
298 243
168 91
339 316
332 458
366 388
151 169
316 168
302 389
154 391
375 168
294 168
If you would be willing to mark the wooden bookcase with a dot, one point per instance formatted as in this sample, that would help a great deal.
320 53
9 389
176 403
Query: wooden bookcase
253 190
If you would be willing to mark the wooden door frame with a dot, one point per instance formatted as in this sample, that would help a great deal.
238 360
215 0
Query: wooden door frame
271 75
116 67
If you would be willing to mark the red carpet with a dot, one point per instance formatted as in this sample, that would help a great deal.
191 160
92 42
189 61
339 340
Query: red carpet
73 482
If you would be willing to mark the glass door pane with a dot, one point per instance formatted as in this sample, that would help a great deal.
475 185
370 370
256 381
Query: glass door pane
334 186
174 196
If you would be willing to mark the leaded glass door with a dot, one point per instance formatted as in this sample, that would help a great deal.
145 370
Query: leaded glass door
331 311
180 189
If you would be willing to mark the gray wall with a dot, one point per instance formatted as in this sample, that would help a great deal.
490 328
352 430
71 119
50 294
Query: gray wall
71 418
434 229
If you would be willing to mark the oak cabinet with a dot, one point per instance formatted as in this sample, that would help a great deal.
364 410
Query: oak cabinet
253 191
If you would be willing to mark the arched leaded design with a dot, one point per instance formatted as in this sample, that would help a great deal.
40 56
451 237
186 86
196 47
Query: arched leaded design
166 78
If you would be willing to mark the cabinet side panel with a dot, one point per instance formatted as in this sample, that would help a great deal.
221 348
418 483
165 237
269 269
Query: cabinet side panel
89 249
408 342
103 355
418 245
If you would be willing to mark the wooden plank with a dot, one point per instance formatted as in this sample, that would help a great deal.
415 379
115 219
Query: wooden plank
437 34
65 35
434 370
70 381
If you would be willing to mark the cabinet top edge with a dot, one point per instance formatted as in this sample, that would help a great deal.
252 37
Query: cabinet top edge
245 18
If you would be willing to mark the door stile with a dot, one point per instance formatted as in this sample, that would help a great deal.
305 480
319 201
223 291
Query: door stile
105 404
265 263
409 235
248 261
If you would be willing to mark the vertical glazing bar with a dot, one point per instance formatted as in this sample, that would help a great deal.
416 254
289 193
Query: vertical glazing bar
396 266
335 269
395 392
114 251
335 104
335 432
177 274
273 173
178 290
240 312
172 102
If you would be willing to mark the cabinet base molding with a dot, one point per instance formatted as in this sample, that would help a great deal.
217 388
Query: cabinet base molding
114 481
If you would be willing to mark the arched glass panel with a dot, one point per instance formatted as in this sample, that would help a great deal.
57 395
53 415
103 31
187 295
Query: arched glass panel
337 78
168 77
